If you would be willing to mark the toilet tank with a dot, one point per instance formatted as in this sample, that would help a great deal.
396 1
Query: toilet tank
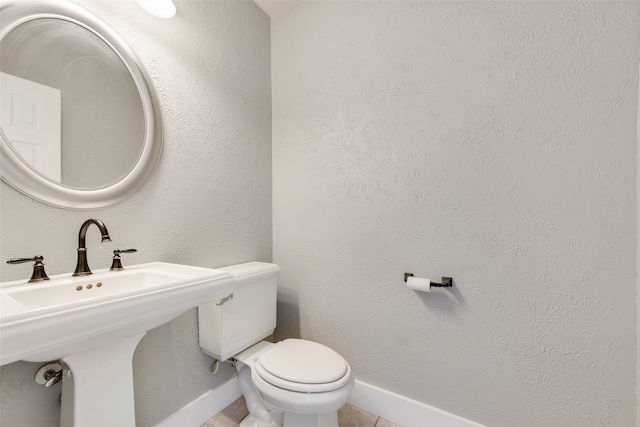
237 324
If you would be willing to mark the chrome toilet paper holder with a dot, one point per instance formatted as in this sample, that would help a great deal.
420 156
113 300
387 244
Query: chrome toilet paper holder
447 282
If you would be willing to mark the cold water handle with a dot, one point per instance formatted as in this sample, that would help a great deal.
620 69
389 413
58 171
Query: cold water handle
116 264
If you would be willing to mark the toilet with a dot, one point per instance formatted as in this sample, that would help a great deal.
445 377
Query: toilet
292 383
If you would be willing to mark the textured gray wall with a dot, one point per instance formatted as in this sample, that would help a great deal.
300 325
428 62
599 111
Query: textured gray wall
494 142
208 203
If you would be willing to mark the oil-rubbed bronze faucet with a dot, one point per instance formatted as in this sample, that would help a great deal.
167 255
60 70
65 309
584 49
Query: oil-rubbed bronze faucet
82 268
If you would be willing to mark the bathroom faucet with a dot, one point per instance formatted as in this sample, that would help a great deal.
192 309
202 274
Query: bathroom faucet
82 268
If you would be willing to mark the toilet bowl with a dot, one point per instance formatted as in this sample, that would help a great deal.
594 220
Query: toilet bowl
300 383
292 383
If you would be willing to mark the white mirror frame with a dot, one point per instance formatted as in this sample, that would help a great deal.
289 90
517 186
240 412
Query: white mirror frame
21 176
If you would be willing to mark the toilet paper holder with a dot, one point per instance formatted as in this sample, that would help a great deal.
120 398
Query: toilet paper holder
447 282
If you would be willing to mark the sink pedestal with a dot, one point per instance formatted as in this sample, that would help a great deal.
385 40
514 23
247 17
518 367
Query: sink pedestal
97 386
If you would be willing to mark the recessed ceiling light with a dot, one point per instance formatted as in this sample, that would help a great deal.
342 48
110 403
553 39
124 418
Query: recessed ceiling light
159 8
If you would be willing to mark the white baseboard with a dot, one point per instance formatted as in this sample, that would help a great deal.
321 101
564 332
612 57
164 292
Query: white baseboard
199 411
402 410
393 407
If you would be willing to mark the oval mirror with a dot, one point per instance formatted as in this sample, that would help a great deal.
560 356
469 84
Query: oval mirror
80 121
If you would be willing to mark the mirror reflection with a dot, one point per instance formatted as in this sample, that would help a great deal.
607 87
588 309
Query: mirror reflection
70 106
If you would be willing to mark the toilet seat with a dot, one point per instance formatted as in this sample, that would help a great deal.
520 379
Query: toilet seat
303 366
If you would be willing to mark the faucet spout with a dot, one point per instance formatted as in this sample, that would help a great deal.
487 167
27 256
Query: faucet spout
82 267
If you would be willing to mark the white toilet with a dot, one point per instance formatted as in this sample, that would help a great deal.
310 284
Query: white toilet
293 383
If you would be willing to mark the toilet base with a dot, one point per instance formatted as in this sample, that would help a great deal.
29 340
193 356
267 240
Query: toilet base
301 420
259 415
250 421
295 420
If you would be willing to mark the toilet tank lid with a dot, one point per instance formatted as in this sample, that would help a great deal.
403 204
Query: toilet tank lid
252 272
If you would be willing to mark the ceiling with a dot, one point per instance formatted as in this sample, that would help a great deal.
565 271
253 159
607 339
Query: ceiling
274 8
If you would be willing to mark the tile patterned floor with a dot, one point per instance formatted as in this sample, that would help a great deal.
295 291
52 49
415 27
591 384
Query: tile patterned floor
348 416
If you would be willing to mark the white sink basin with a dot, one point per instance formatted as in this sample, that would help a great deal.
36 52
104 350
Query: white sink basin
93 325
67 290
49 320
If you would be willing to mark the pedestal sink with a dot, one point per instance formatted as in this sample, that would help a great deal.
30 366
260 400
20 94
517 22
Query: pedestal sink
93 325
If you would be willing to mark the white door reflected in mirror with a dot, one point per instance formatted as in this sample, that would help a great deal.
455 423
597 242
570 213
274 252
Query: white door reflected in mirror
30 115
